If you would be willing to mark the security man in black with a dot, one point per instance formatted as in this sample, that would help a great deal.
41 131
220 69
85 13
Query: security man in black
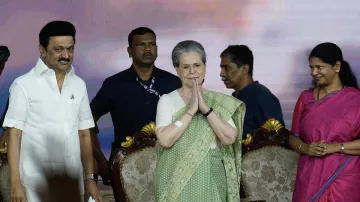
131 96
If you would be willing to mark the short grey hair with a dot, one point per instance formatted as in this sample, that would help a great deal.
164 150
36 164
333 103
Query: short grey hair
187 47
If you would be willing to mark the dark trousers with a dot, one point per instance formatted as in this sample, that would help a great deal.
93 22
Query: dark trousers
116 195
114 192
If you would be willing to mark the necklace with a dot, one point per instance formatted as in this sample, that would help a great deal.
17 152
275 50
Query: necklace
320 88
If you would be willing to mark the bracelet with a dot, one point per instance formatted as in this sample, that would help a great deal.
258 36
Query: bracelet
209 112
342 148
300 148
190 114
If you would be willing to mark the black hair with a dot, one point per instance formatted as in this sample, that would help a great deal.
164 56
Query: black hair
56 28
139 31
240 55
330 53
4 54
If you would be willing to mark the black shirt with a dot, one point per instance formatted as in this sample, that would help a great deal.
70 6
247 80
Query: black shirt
130 105
261 105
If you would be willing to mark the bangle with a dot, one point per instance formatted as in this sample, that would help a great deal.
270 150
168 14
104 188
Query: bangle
300 148
342 148
209 112
190 114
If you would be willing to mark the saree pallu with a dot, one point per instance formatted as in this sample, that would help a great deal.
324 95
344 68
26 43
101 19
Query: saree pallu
190 171
334 119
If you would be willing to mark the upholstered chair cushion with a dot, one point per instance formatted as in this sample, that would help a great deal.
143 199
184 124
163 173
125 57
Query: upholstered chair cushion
137 175
4 182
269 173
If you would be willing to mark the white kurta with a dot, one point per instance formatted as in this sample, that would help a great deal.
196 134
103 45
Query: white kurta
49 121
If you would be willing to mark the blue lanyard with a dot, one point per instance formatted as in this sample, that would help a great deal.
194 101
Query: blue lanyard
150 87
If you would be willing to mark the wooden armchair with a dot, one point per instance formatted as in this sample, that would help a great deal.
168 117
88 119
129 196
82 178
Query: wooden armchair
269 164
133 167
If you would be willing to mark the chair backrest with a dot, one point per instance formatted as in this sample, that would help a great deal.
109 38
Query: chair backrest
269 173
269 164
137 175
272 132
133 167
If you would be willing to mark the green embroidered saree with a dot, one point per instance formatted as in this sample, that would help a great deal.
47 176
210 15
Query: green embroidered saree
190 171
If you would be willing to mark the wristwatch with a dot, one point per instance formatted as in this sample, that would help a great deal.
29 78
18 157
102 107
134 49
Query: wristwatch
209 112
342 148
93 176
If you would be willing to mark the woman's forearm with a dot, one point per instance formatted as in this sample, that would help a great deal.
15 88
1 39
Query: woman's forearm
353 145
168 135
352 152
223 130
296 144
352 148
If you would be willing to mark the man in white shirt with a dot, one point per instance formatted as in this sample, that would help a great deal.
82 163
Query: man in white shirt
49 119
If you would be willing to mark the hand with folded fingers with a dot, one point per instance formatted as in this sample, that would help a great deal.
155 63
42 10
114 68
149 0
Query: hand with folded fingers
315 149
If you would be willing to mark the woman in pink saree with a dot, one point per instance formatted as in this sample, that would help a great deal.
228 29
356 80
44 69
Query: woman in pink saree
326 128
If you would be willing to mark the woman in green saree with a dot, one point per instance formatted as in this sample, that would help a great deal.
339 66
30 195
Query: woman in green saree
199 136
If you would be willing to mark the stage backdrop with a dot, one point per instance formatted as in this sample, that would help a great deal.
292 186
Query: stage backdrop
280 33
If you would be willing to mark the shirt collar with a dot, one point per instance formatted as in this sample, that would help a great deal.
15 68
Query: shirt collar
154 72
41 67
245 88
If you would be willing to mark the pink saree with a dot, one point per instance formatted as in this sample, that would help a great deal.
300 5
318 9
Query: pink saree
334 119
